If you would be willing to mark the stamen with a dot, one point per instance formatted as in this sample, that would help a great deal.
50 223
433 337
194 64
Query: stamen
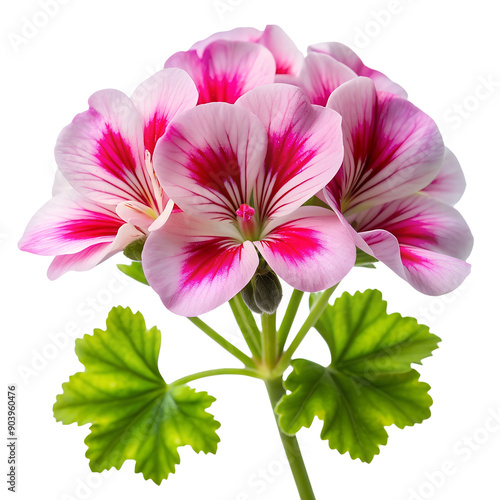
157 198
245 212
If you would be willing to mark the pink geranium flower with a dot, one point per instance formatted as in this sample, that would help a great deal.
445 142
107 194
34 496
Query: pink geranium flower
227 65
112 195
240 174
394 185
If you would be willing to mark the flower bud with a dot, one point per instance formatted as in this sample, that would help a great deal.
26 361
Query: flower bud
134 250
263 293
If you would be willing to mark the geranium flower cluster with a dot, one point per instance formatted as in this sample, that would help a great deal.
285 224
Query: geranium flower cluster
243 151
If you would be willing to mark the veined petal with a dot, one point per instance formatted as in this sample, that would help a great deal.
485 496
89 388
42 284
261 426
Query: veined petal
345 55
197 265
209 158
304 150
93 255
69 223
226 70
422 222
163 217
160 98
322 75
101 153
60 184
136 213
449 185
234 35
428 272
326 196
310 249
392 149
289 59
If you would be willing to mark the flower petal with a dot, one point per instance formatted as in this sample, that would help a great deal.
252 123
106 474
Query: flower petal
392 149
304 150
101 153
209 158
60 184
289 59
421 239
163 217
234 35
322 75
310 249
93 255
226 70
160 98
195 266
69 223
422 222
428 272
136 213
345 55
449 185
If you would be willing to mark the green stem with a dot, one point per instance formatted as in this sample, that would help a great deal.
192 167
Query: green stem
314 315
276 391
286 324
247 324
217 371
269 340
247 361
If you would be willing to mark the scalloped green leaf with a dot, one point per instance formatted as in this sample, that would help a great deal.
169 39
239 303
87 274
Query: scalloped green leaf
369 384
135 414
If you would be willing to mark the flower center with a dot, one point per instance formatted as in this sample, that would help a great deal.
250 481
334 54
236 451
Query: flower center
247 223
245 212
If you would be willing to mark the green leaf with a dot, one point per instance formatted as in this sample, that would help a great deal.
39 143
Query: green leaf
134 413
134 271
364 260
369 384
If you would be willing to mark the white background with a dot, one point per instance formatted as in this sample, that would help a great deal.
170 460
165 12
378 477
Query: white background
442 52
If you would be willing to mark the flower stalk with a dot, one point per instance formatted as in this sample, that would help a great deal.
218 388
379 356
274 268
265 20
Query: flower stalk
276 391
225 344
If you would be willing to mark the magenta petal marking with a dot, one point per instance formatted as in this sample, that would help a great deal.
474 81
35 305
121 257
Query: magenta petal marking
196 265
392 149
115 155
69 223
209 260
98 227
227 69
94 254
218 170
209 158
304 150
310 248
153 130
419 221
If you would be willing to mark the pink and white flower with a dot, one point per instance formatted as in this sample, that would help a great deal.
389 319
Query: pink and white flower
241 173
227 65
112 196
394 185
